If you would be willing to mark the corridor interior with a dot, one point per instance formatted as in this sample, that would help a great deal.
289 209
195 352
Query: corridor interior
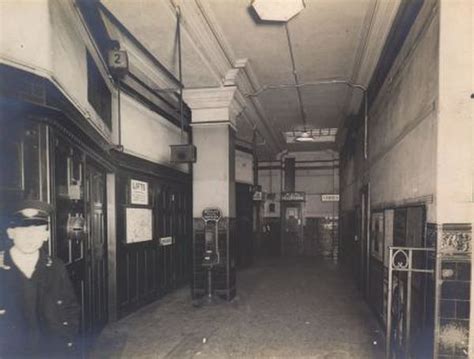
300 307
309 164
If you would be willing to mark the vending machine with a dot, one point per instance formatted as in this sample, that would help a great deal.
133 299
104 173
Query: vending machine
213 258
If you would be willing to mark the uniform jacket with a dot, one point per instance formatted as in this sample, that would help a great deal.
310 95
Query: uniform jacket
56 332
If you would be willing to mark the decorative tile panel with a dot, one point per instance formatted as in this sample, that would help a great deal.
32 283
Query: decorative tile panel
454 281
456 240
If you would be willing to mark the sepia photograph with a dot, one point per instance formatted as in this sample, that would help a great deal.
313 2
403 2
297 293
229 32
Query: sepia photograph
248 179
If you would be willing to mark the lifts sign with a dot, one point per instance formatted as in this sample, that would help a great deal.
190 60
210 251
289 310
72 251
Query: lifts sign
138 192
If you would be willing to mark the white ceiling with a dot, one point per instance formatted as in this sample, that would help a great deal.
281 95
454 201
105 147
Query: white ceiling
331 39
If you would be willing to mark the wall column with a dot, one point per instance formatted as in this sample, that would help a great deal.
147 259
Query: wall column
455 181
214 113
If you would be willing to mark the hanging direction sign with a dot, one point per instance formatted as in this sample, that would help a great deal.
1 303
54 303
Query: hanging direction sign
293 196
329 198
211 214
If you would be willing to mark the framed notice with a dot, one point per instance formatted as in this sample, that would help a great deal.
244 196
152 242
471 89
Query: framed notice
139 225
138 192
377 235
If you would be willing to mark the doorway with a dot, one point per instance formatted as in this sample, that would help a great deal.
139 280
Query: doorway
244 226
96 259
292 228
80 230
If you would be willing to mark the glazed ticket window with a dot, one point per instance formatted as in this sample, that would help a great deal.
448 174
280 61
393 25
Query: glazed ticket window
24 160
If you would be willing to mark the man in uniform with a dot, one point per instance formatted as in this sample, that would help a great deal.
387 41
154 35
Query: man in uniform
39 313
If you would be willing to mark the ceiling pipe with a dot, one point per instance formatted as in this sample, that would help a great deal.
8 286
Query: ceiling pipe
180 72
295 76
322 83
280 156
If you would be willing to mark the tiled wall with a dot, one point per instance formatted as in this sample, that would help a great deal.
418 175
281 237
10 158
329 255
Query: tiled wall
454 280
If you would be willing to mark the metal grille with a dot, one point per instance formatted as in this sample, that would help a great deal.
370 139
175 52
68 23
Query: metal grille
399 302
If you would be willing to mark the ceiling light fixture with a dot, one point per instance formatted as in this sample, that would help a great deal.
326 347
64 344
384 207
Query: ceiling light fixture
277 10
305 137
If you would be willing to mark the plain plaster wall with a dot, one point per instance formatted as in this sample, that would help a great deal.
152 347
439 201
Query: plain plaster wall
455 116
313 182
401 164
148 135
455 162
28 26
70 44
211 173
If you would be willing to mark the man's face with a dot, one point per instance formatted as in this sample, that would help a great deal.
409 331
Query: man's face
29 239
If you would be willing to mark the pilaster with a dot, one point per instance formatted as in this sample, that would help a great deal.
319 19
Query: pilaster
214 114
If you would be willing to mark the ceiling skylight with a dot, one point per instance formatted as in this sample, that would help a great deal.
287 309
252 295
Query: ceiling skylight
311 135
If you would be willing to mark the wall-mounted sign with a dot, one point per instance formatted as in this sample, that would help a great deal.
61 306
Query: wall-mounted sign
330 198
118 61
257 196
293 196
211 214
139 225
166 241
138 192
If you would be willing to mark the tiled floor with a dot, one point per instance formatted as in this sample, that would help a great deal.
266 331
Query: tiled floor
293 308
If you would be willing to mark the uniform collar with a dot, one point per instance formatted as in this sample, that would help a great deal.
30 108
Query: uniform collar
6 261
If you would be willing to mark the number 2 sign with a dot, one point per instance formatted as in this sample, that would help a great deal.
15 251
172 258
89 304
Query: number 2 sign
118 61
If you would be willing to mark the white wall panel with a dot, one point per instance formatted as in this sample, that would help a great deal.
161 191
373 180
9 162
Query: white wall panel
148 135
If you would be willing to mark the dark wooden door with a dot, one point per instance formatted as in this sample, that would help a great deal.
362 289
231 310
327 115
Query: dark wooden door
167 198
292 229
244 230
96 259
70 244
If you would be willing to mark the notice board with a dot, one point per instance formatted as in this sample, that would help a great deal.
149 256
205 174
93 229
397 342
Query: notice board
139 225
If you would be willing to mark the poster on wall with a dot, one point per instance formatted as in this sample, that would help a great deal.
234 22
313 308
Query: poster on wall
139 225
388 234
376 235
138 192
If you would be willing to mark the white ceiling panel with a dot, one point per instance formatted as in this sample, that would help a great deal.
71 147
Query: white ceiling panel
325 37
153 23
328 39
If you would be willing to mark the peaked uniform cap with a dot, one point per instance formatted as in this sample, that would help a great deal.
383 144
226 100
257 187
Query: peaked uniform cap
29 213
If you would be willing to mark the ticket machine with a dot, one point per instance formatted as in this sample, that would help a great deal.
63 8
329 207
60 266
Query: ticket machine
211 257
